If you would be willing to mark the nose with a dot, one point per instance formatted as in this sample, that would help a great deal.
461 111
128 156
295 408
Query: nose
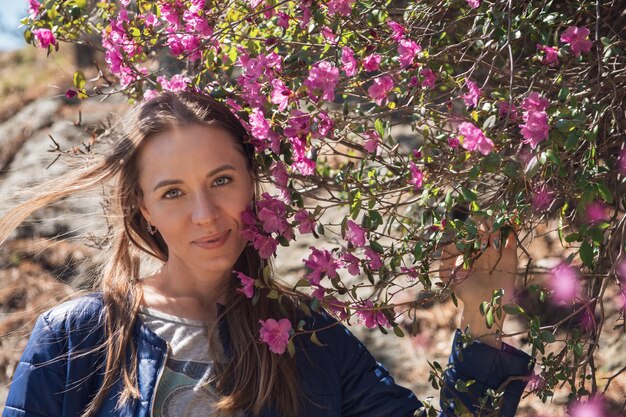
206 209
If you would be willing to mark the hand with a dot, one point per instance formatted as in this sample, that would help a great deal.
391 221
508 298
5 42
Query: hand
494 267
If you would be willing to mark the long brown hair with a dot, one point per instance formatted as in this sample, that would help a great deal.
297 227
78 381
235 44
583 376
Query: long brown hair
256 378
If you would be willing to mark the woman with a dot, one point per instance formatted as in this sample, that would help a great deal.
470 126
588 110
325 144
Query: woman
184 341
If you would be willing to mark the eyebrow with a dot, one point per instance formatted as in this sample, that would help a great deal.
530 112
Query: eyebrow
209 174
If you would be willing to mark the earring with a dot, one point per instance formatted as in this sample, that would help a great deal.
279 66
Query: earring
151 229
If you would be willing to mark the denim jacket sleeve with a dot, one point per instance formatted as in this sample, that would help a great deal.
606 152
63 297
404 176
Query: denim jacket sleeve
368 390
490 368
46 383
37 389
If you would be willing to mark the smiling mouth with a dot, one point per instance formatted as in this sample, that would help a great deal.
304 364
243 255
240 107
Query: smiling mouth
212 243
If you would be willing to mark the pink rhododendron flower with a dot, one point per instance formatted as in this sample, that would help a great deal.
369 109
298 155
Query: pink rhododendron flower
374 258
305 221
150 94
370 317
150 19
265 245
322 79
380 88
474 139
535 102
351 263
550 58
577 38
504 109
453 142
247 284
371 144
471 98
411 273
417 176
254 3
178 82
397 29
355 234
197 23
563 280
299 125
260 127
342 7
329 35
324 125
536 382
407 49
474 4
321 262
271 214
542 198
348 62
428 78
592 408
302 163
275 334
536 128
280 94
371 62
171 13
281 179
597 212
44 38
33 8
283 20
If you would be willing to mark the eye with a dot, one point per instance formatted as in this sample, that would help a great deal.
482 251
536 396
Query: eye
222 181
173 193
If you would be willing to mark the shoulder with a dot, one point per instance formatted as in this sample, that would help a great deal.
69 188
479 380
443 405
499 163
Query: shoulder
81 313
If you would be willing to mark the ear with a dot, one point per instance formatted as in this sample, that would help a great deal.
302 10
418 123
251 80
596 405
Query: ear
144 210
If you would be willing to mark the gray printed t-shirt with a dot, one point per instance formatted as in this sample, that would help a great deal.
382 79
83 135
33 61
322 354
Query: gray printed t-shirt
182 388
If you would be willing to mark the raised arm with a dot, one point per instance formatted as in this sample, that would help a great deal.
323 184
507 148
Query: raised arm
490 362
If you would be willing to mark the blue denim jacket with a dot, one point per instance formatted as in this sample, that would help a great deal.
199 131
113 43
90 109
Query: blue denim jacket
60 371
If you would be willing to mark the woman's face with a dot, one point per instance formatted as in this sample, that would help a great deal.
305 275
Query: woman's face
195 185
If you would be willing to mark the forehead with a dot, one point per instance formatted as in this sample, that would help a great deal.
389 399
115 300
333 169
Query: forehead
195 146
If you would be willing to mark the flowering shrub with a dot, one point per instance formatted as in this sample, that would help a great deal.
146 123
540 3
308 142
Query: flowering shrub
514 108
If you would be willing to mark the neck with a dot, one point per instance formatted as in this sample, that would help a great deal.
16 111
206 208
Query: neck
184 291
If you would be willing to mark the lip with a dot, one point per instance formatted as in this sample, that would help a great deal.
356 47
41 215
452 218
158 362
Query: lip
213 241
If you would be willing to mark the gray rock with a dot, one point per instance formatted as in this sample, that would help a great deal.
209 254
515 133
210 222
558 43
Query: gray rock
30 166
19 128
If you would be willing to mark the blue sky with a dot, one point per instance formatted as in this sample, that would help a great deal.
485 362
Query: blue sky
11 11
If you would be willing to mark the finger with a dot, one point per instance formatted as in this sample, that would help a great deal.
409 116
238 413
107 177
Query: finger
511 242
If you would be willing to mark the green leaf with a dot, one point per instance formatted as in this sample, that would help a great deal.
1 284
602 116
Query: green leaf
513 309
377 247
490 122
578 349
460 386
315 340
586 254
79 79
291 348
604 192
489 317
379 127
398 331
547 337
468 195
